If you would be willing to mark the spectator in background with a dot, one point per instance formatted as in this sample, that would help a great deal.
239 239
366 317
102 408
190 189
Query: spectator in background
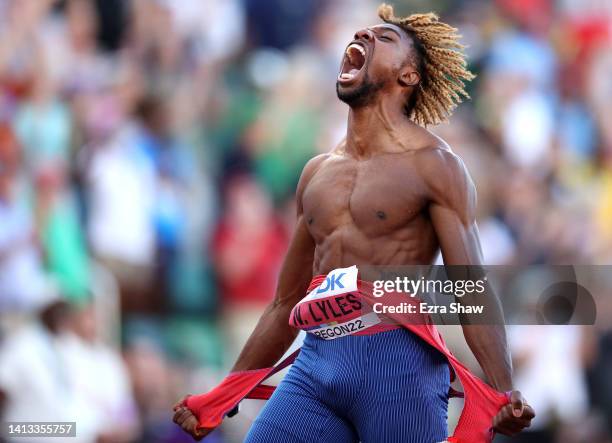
34 376
73 55
248 246
43 122
20 48
521 71
153 381
600 381
54 369
600 361
549 366
60 231
103 391
173 171
22 277
279 24
121 183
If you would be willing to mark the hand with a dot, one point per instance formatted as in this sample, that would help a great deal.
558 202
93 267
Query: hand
514 417
187 421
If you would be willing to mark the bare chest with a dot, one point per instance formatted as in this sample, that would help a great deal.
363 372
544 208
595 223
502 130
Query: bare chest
377 196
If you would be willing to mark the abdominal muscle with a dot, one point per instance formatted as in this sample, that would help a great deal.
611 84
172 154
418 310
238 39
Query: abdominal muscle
345 247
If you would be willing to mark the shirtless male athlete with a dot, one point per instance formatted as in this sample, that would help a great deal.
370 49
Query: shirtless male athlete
391 193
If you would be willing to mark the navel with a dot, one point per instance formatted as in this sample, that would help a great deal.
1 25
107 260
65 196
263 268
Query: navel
381 215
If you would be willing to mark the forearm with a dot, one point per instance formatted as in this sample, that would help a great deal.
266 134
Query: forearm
486 335
488 343
269 341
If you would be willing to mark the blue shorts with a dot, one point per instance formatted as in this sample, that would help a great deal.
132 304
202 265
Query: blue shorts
389 387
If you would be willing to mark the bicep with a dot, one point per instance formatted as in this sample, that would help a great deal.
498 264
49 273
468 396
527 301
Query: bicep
458 239
452 209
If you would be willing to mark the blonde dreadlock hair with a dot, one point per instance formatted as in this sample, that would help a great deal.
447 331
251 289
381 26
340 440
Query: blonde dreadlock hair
441 64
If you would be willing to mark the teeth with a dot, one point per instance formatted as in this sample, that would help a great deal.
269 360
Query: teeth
349 75
351 54
356 46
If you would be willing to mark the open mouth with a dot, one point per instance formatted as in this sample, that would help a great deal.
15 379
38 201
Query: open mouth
354 60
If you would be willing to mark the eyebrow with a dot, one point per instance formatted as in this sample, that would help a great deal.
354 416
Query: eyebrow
387 28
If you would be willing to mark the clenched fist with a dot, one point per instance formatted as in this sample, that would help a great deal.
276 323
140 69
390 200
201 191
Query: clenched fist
187 421
514 417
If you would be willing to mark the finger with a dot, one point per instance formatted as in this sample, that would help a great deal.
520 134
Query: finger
177 416
514 426
506 412
185 425
188 425
503 421
200 433
180 403
500 421
500 417
522 423
184 415
192 425
528 412
517 402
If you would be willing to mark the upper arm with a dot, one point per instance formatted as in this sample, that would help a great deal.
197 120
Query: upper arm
452 207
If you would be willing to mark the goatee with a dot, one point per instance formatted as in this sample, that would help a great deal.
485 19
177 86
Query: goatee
359 96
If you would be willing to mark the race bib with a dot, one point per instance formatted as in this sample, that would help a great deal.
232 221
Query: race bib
334 308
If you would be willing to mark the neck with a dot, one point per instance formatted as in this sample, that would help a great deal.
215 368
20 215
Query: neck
376 126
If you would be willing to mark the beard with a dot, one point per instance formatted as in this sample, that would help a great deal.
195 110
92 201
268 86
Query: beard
360 95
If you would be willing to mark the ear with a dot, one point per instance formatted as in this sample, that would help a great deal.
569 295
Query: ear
408 76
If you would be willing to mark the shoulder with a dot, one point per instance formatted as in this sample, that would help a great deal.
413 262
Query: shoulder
445 175
439 161
309 170
313 165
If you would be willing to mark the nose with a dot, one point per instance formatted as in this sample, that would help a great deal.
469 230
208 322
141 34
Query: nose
364 34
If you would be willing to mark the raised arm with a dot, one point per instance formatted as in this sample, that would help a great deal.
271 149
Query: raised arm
452 207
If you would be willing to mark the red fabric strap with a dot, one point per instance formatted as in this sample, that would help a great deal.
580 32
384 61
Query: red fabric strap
481 404
210 408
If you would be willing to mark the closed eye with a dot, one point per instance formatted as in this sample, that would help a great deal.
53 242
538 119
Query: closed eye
386 38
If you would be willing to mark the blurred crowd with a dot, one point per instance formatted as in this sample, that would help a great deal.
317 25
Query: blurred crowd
149 153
